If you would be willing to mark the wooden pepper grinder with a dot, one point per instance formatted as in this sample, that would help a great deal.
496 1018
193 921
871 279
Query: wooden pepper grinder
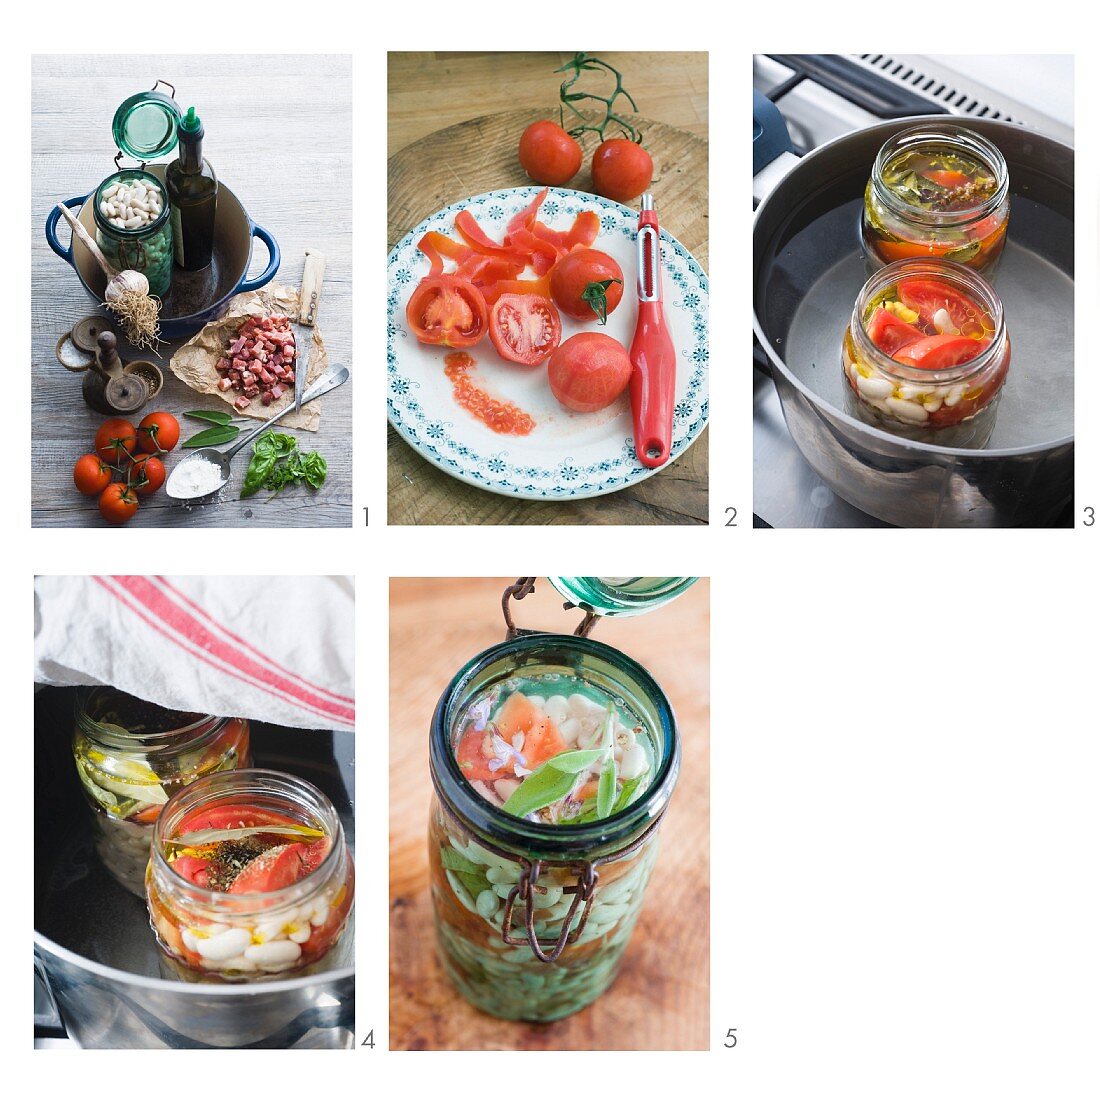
112 387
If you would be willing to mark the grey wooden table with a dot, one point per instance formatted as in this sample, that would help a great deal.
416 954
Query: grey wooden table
284 148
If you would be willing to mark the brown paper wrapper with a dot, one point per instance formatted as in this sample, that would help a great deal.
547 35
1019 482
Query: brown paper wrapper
195 362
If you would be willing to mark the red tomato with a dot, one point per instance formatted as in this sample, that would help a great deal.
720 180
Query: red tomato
280 867
115 437
949 180
584 271
445 310
929 295
549 154
621 170
473 761
157 433
118 503
524 329
147 475
941 351
91 475
890 333
589 371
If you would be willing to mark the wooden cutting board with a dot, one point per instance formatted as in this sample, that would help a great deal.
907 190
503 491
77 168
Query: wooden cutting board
660 1000
480 155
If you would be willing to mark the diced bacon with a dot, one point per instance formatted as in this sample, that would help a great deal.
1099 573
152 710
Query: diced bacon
222 365
259 360
243 403
224 384
267 398
278 391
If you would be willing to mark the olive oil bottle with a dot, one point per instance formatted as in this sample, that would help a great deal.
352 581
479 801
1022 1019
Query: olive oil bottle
193 192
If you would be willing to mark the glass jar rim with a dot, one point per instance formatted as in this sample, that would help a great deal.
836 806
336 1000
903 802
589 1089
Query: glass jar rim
939 269
223 785
940 134
558 842
131 233
190 733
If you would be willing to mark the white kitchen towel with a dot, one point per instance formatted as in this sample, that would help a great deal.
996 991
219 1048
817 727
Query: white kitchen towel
278 649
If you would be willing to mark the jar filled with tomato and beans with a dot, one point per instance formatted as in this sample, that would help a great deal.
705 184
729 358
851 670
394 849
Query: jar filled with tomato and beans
250 878
926 353
132 756
937 191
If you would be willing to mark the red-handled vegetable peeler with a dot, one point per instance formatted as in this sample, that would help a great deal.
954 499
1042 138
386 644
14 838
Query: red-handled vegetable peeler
653 381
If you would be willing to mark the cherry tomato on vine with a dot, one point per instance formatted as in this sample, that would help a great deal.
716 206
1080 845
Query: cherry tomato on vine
158 432
587 285
524 329
114 439
548 154
118 503
91 475
147 475
447 310
621 170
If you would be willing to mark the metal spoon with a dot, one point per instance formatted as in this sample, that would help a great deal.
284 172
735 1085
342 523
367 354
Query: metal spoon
328 382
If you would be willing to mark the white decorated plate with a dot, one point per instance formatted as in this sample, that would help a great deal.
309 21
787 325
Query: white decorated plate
567 455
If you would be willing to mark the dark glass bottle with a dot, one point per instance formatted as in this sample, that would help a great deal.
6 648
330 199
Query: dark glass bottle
193 194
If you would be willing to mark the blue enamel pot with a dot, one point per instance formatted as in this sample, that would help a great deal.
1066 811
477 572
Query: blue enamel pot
194 299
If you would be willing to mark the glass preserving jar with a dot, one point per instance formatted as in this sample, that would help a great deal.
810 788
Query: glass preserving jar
131 757
250 878
926 353
149 249
533 912
621 595
937 190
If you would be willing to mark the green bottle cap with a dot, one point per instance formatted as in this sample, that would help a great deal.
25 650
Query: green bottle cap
191 122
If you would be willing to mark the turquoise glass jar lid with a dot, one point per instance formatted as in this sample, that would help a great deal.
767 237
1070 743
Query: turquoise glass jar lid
621 595
146 125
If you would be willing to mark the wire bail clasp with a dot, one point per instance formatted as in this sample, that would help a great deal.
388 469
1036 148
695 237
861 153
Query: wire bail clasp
524 586
525 888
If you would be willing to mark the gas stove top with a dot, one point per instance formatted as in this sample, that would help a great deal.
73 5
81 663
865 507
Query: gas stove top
823 97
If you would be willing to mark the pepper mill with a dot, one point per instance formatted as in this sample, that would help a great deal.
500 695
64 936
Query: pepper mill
111 387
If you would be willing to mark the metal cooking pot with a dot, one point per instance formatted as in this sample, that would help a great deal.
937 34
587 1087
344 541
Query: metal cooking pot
808 269
194 299
94 952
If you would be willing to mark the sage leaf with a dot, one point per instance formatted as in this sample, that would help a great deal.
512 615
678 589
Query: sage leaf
211 438
626 794
215 417
550 782
456 862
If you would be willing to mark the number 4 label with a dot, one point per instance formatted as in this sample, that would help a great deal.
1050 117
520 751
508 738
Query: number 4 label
369 1041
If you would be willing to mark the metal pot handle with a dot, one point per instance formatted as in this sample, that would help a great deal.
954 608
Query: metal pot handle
51 228
274 257
50 1025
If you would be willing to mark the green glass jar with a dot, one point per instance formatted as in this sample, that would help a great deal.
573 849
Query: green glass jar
532 919
621 595
146 247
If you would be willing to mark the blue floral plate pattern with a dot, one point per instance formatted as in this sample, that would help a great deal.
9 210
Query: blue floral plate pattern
567 455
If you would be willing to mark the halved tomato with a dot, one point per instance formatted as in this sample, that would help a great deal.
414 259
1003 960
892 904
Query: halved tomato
941 351
890 333
447 310
525 329
928 295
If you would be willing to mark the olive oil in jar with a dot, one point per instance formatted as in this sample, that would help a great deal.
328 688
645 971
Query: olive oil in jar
193 193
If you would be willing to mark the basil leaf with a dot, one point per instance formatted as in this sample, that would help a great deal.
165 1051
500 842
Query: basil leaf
211 438
259 466
314 470
605 792
215 417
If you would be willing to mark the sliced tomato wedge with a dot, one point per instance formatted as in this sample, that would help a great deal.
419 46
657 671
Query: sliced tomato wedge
941 351
949 180
927 295
280 867
524 328
473 762
447 310
890 333
541 741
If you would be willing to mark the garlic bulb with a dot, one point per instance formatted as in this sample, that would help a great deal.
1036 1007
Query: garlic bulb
128 281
